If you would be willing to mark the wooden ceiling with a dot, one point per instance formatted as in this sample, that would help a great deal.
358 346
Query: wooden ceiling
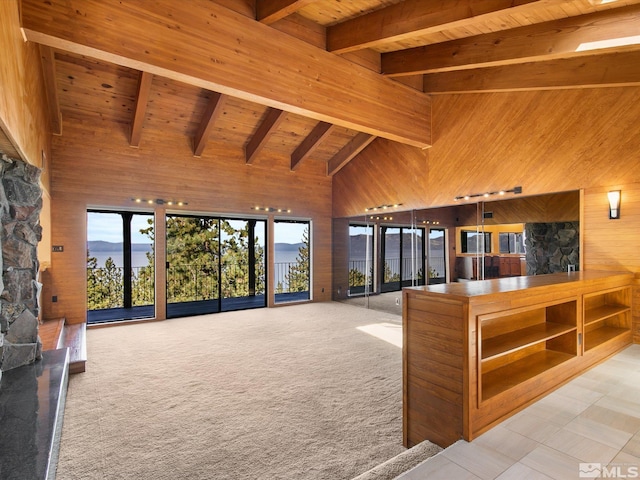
314 80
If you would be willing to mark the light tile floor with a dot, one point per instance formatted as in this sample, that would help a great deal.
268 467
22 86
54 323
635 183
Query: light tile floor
593 419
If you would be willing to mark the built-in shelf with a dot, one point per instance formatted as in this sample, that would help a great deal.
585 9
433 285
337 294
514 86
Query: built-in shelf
514 373
603 312
601 335
518 339
607 316
517 345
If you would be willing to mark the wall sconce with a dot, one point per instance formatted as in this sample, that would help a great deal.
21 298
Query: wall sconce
614 204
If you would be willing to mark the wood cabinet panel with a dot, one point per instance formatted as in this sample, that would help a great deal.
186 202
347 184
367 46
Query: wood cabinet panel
517 341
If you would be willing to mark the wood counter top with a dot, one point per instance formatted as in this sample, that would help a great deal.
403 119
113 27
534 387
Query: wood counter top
484 290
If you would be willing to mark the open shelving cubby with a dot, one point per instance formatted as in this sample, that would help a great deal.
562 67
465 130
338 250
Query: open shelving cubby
607 315
520 344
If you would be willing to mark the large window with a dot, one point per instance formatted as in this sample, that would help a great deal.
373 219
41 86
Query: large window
120 266
475 242
511 242
292 261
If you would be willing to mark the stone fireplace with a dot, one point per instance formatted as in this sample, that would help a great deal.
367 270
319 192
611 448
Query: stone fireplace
551 247
20 205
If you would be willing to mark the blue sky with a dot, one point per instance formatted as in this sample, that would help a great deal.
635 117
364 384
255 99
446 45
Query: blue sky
108 227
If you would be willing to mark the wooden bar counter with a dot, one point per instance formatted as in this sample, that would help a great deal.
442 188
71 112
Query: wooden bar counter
477 352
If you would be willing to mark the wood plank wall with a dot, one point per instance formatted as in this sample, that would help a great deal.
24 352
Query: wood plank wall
95 167
24 117
544 141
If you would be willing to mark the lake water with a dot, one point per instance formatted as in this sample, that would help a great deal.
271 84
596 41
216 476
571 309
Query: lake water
139 259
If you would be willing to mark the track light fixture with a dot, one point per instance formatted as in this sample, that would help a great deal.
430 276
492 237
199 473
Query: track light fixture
160 201
271 209
514 190
382 207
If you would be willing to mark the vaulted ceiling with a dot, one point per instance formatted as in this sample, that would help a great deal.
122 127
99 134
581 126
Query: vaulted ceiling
314 80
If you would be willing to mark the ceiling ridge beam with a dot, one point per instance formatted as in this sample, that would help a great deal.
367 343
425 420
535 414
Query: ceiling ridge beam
142 98
565 38
321 131
414 18
615 69
47 56
269 125
211 114
270 11
215 48
348 152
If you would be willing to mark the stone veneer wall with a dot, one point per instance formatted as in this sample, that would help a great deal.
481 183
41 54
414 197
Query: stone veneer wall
551 247
20 205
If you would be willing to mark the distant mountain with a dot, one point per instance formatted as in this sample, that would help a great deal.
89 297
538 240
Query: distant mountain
288 247
106 247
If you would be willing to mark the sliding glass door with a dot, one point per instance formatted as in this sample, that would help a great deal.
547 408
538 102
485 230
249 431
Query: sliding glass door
214 264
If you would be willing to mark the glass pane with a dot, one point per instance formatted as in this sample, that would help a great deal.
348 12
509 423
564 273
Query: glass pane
292 261
391 258
360 259
192 261
437 257
142 260
105 261
412 256
234 236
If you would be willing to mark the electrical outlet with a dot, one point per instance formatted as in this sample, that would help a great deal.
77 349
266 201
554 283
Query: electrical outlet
397 301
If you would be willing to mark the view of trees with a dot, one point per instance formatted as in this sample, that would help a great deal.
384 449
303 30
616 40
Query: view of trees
206 257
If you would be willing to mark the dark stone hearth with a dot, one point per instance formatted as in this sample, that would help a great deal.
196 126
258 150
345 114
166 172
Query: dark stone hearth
20 206
551 247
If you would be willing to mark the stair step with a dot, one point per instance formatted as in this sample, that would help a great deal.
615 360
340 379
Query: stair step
57 333
50 332
75 338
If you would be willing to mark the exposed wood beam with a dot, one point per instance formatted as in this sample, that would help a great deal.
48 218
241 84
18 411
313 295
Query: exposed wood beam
164 38
309 144
348 152
270 11
144 88
606 70
212 112
269 125
414 18
49 72
569 37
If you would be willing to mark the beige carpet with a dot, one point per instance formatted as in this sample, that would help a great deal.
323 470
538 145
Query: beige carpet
296 392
